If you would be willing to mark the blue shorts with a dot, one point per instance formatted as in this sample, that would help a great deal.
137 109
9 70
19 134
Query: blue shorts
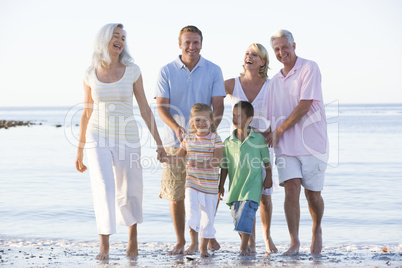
243 213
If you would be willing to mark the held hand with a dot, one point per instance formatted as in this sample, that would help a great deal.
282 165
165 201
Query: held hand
198 163
221 193
195 164
273 138
267 182
79 165
180 133
161 154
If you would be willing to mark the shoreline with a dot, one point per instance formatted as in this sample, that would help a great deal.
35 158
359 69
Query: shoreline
70 253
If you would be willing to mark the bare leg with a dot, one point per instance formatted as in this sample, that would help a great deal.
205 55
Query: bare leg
292 212
244 250
132 246
194 243
251 241
104 247
178 216
266 216
316 207
204 247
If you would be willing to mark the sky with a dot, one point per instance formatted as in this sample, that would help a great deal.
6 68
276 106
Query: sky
46 45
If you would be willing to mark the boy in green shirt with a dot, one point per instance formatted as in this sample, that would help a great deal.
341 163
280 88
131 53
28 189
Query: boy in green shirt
243 155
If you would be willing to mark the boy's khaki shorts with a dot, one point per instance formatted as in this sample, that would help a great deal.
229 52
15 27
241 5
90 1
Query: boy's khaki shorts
173 180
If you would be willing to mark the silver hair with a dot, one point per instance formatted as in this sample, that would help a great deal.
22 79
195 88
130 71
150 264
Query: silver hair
101 57
282 33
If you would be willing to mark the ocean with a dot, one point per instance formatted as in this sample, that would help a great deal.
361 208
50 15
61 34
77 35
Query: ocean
42 196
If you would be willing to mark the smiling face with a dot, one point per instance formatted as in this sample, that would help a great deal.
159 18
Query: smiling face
190 44
202 122
116 44
285 52
252 60
240 119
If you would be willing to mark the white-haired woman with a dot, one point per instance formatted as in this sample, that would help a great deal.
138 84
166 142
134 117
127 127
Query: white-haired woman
109 129
252 86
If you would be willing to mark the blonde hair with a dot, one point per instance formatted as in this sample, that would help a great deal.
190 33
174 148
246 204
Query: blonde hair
190 29
201 107
263 54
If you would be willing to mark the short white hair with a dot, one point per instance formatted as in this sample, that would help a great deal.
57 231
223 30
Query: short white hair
101 57
282 33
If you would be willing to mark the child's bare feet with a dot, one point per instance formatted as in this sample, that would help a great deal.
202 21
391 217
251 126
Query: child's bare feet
204 254
192 249
213 244
270 246
178 249
252 249
244 252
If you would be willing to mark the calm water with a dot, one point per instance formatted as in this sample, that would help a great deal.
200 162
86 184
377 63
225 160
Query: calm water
41 194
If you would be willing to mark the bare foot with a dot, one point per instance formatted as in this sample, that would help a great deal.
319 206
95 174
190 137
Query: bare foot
132 248
103 248
244 252
270 246
178 249
316 244
204 254
192 249
103 254
252 249
213 244
293 250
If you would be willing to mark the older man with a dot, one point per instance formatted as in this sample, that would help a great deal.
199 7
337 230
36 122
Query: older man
299 136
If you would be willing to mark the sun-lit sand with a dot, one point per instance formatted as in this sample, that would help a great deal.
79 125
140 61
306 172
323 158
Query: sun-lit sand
64 253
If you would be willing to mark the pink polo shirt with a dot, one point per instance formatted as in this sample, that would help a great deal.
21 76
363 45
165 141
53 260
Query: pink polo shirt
309 135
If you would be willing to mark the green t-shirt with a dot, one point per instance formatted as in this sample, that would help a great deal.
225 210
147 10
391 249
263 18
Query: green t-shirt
244 163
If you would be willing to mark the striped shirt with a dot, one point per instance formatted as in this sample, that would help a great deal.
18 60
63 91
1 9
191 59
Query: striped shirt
113 116
205 180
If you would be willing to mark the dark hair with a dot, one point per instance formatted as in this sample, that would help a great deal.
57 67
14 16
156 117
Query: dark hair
190 29
246 107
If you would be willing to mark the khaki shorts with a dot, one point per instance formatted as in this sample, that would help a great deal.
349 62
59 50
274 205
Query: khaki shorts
173 179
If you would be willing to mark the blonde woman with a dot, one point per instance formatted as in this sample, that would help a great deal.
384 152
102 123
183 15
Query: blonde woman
109 129
252 86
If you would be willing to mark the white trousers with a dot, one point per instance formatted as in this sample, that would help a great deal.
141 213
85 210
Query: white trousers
116 180
200 211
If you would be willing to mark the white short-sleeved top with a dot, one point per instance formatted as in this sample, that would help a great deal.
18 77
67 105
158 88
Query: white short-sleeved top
260 119
113 116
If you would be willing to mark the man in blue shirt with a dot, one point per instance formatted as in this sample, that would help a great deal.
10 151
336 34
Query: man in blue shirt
187 80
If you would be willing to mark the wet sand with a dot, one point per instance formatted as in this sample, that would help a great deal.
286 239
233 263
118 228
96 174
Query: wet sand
64 253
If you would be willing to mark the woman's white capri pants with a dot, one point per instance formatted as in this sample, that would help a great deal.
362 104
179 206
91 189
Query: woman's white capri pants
116 179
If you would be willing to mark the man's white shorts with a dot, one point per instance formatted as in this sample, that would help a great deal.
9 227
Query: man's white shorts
308 168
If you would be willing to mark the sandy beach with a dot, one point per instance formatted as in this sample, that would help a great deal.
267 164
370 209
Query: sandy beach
47 217
64 253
